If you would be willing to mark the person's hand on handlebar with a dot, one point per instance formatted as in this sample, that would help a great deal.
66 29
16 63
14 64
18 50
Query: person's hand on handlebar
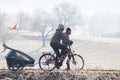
71 42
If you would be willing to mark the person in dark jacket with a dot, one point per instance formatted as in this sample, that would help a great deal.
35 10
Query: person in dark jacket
56 43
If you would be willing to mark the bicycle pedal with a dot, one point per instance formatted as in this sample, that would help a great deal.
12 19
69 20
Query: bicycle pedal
62 57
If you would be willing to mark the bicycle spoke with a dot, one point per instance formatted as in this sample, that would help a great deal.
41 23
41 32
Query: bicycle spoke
47 62
77 63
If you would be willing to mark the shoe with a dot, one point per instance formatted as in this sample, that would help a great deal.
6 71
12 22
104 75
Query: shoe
58 64
67 69
58 67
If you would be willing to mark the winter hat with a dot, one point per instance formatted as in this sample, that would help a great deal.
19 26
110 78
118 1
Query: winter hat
60 26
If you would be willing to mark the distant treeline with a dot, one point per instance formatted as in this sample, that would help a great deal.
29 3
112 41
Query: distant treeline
113 35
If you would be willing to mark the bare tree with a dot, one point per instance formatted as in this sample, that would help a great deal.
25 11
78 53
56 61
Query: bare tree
67 14
2 26
44 23
23 20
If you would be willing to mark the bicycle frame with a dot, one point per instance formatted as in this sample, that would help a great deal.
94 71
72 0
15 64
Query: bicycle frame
69 54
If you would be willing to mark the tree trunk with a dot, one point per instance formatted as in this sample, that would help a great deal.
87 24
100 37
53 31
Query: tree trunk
44 41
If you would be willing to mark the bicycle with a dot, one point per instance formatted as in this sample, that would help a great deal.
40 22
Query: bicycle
47 60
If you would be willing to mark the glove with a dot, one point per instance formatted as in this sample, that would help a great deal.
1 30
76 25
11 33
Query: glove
71 42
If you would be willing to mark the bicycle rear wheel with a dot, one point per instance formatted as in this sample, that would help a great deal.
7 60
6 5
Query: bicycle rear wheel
76 62
47 62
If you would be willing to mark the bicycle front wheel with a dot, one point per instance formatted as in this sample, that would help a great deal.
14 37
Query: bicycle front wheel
47 62
77 62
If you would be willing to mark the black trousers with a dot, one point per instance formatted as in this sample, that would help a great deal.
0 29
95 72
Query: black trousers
56 47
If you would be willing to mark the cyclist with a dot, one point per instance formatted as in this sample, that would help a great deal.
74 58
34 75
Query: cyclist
56 45
67 33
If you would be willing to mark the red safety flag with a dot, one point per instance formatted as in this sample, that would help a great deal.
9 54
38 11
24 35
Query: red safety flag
14 27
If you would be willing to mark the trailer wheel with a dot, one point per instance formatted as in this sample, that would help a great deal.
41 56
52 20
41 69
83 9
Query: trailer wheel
10 68
17 65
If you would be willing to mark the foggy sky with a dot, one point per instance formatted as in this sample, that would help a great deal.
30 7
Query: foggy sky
89 7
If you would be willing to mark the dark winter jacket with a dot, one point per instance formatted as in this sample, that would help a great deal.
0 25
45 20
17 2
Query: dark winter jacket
58 36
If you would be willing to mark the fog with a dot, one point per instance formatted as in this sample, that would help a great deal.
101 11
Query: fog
101 25
99 18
